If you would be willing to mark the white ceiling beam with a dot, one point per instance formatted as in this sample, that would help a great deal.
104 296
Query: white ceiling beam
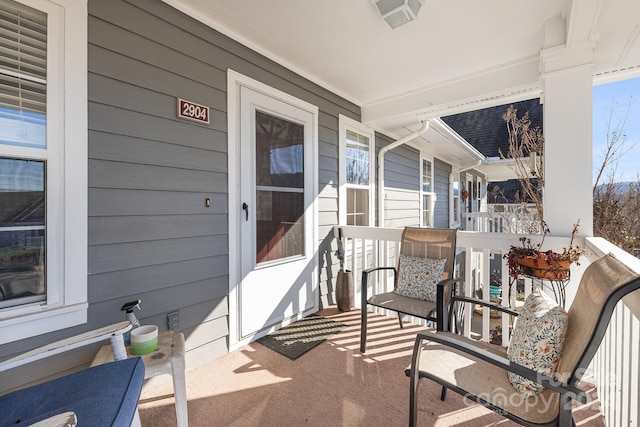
569 41
581 22
500 85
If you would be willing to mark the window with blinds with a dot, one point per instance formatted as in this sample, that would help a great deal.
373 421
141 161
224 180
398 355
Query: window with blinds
23 75
23 154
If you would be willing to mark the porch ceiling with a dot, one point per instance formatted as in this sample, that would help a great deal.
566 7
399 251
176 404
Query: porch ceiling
457 56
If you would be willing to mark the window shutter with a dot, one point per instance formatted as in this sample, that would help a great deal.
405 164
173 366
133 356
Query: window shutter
23 58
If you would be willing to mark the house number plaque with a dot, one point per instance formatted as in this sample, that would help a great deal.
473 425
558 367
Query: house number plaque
192 111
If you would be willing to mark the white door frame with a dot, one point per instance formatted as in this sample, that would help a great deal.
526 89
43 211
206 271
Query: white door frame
236 80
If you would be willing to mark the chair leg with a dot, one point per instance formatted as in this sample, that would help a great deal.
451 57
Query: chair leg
363 329
566 417
413 404
443 393
400 321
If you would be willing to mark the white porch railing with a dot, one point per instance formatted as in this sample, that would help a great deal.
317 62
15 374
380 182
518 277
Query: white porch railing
502 218
616 367
379 247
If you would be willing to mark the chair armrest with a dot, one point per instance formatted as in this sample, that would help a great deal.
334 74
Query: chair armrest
445 291
454 312
371 270
113 332
467 347
485 303
365 282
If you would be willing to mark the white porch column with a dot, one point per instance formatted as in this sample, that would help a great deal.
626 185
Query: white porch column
566 74
568 164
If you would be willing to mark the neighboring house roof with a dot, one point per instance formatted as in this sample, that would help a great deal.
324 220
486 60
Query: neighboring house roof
505 192
486 130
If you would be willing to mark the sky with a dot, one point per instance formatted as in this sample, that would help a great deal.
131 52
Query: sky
617 94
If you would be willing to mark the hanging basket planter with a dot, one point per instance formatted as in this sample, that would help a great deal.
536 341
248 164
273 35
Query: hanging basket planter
540 267
528 260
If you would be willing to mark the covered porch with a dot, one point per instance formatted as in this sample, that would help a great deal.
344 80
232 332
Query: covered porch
158 204
332 385
336 384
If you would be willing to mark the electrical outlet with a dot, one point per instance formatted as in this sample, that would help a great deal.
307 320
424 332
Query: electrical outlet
173 320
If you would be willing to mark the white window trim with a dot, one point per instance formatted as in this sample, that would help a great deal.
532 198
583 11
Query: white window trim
67 214
427 193
480 196
345 124
455 221
469 202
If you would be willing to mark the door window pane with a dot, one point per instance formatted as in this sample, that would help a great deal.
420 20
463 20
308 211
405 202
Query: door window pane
279 163
357 206
280 225
279 152
22 231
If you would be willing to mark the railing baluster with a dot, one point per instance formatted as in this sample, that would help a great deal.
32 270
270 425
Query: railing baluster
354 254
486 294
468 309
508 300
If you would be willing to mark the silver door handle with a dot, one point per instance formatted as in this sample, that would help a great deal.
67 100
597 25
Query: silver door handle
245 207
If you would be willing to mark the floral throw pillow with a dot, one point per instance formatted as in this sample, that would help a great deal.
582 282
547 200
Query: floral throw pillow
418 277
537 340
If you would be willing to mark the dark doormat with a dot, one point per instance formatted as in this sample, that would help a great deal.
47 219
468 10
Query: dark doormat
296 339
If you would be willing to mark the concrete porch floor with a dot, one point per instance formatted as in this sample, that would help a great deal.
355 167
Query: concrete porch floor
331 385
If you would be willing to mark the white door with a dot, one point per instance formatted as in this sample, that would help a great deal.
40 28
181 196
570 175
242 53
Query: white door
277 212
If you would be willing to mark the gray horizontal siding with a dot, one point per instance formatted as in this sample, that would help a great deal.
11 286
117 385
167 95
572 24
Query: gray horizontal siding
109 230
154 277
144 54
150 235
401 185
109 146
150 172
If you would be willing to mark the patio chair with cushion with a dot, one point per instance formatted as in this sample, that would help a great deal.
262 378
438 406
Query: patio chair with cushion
423 280
534 381
105 395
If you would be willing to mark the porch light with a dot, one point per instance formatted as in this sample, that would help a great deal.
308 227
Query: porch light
398 12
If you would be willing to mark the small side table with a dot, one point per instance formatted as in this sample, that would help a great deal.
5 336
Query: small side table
167 359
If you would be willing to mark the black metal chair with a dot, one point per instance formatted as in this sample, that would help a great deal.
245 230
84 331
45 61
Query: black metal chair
433 243
478 370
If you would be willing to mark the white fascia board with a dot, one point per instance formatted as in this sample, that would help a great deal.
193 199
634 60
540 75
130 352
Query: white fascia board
454 137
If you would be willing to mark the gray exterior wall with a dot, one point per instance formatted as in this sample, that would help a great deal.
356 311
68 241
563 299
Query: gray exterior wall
402 184
441 171
402 180
150 235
